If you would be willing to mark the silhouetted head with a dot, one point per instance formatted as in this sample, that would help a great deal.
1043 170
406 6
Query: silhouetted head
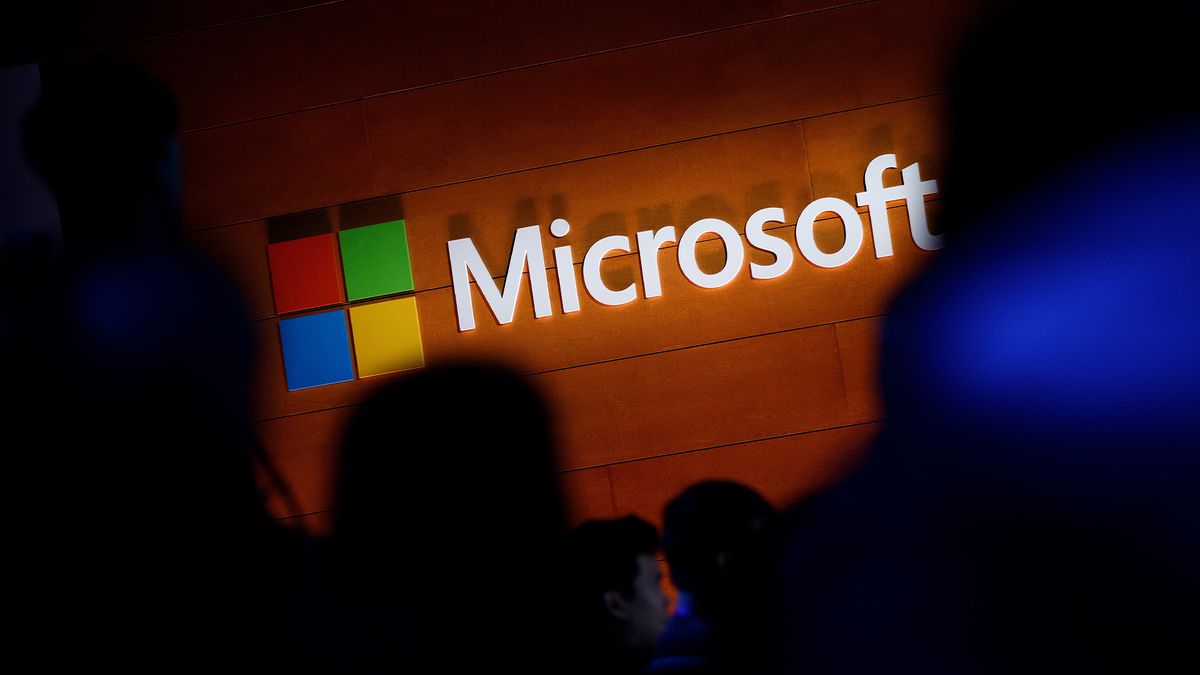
447 523
1037 87
708 529
455 459
614 583
102 137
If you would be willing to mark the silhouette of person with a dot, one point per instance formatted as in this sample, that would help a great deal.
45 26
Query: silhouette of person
447 527
139 536
614 592
718 537
1030 506
102 135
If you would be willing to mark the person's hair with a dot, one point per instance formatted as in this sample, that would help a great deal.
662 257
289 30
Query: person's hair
603 557
705 520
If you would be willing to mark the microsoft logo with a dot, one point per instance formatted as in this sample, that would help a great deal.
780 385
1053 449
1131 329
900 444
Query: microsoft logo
354 266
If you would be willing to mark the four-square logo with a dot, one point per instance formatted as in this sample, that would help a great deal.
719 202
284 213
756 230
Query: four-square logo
357 266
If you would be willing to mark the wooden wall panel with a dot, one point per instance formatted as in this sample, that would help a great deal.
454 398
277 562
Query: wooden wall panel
72 27
601 104
764 73
783 470
241 250
624 410
319 524
668 586
858 343
587 494
728 177
697 398
839 146
253 69
705 397
304 450
275 166
347 50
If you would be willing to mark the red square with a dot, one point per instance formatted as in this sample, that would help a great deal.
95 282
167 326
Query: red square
305 273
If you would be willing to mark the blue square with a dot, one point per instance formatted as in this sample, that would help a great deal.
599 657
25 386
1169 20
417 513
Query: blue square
316 350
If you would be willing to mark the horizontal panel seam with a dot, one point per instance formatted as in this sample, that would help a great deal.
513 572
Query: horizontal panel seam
306 513
576 160
690 451
513 69
264 420
722 445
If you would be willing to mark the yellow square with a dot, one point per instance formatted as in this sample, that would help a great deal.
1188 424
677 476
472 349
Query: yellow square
387 337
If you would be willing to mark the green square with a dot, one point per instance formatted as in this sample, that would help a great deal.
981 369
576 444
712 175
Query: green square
375 260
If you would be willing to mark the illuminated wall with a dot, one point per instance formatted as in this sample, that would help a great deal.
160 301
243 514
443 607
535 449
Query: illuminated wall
478 119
